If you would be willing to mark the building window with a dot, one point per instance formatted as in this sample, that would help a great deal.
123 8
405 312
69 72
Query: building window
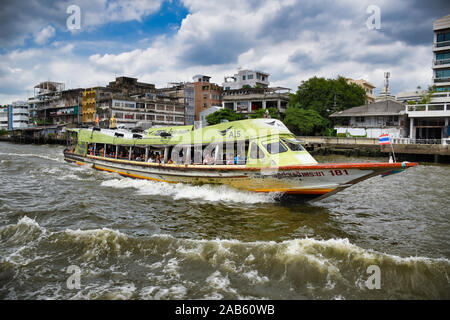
443 56
250 76
442 37
443 73
243 78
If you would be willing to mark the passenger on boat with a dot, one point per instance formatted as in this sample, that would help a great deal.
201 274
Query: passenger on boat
208 160
239 159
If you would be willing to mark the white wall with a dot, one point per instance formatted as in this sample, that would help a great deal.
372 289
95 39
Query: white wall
370 132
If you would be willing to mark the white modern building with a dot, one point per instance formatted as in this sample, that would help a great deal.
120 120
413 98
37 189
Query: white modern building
441 54
431 121
252 78
18 115
4 111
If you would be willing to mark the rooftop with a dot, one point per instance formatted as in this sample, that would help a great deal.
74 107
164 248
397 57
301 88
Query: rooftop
442 23
381 108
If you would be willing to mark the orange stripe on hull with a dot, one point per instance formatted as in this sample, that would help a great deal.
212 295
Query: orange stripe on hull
296 191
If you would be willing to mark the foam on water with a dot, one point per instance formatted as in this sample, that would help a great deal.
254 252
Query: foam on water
222 269
28 155
210 193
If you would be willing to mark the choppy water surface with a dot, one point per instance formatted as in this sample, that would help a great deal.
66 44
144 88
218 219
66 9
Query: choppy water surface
137 239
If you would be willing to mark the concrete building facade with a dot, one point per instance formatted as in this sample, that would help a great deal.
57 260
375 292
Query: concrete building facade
206 94
4 112
249 100
367 86
185 93
370 121
14 116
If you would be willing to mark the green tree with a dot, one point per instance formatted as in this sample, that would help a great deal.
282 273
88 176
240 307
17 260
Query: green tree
324 97
426 97
223 114
305 121
260 113
327 96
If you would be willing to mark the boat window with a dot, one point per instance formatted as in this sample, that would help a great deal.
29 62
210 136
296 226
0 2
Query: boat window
123 152
110 151
256 152
275 147
294 145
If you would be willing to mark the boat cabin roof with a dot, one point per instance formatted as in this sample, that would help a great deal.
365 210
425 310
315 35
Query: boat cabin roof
188 135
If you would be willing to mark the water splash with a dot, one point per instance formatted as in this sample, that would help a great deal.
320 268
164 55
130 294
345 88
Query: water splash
210 193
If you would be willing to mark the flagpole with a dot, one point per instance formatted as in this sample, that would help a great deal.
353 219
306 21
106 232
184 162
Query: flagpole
382 141
393 153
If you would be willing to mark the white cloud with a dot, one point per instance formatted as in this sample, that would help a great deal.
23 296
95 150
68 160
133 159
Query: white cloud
19 20
97 12
44 35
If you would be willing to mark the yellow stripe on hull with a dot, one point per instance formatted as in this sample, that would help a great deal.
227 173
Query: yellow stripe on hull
131 175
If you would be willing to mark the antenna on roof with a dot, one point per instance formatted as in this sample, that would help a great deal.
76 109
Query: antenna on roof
387 75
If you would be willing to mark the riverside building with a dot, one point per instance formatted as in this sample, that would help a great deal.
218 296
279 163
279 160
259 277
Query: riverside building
431 121
206 94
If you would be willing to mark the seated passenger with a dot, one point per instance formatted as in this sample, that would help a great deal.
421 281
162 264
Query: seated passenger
208 160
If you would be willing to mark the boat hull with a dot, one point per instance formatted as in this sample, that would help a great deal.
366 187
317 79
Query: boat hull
306 182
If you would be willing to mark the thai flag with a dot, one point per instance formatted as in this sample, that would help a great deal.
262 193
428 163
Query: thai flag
384 139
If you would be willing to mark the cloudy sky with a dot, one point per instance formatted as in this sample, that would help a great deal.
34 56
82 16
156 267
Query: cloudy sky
162 41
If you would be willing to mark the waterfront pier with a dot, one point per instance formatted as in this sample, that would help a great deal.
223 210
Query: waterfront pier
426 150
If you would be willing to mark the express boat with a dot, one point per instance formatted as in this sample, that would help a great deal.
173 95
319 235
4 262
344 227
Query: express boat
259 155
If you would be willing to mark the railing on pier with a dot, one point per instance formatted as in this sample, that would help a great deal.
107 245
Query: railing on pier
415 141
369 141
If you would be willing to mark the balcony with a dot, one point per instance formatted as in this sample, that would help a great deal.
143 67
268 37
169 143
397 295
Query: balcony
442 45
441 80
441 63
428 110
